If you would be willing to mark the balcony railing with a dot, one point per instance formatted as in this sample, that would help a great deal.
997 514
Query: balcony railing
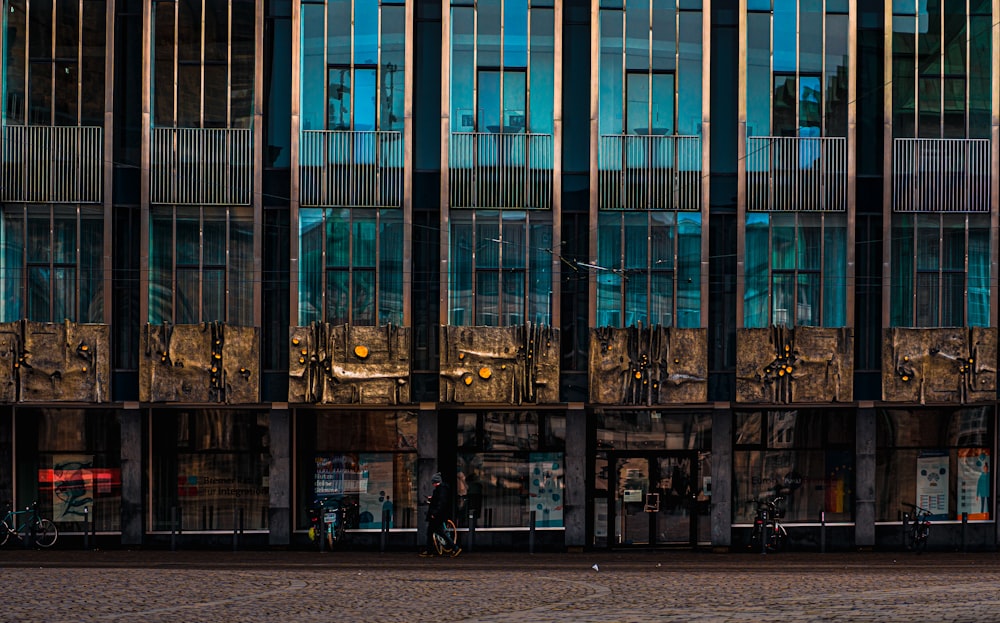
52 164
198 166
796 174
501 170
649 172
352 169
941 175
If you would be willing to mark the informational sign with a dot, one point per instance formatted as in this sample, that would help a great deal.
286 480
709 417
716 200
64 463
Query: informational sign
546 490
932 483
339 473
72 486
974 482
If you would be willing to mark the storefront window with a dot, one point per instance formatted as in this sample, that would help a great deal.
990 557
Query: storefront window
369 458
509 465
805 456
938 459
69 461
653 430
213 467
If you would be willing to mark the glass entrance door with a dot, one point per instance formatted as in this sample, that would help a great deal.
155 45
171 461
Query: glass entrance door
653 500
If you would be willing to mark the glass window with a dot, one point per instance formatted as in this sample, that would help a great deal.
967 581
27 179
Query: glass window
938 459
52 263
213 467
368 457
653 430
70 463
510 464
805 456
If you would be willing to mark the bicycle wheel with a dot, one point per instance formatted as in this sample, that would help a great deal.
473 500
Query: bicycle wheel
920 534
45 533
440 542
6 533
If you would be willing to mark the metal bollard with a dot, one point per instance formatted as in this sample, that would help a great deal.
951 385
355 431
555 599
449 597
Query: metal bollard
86 528
965 533
174 528
386 518
531 532
472 532
906 523
822 532
236 530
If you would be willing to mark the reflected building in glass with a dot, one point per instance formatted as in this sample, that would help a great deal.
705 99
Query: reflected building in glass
616 268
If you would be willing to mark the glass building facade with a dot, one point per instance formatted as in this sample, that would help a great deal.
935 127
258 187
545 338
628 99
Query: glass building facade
615 268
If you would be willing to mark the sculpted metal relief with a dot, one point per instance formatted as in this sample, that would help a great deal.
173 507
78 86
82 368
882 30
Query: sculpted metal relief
509 365
206 363
349 365
954 365
794 365
51 362
648 366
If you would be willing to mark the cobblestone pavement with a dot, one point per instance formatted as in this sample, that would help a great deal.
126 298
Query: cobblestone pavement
63 587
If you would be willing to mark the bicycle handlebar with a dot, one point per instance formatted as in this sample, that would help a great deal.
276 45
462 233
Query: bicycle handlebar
919 509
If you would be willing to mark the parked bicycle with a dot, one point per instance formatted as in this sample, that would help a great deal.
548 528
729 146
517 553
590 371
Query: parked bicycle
329 518
916 528
768 534
28 526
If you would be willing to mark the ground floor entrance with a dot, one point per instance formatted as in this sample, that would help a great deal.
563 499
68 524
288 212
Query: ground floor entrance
653 499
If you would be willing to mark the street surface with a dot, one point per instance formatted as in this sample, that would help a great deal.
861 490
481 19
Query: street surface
504 587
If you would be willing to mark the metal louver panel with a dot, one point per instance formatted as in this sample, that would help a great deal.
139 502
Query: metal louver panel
642 172
52 164
198 166
501 170
941 175
353 169
796 174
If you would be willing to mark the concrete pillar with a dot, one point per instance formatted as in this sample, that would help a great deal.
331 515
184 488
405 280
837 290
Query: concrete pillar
722 475
427 462
575 493
133 515
279 516
864 477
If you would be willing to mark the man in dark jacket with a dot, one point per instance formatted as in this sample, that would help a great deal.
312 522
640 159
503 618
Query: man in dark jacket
437 513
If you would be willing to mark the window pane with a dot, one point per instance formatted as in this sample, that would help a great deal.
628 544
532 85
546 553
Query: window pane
11 265
611 91
339 99
366 33
393 68
460 273
689 270
390 276
338 284
463 115
239 297
515 33
365 103
487 298
310 265
338 31
338 238
363 297
313 66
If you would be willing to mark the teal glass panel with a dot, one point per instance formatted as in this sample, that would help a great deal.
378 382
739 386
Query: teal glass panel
755 296
366 33
661 289
213 294
39 289
807 302
689 78
953 270
980 43
661 238
688 270
611 79
979 271
489 101
338 237
637 35
783 243
239 300
636 241
310 265
783 298
11 265
810 36
759 85
637 110
662 115
903 96
835 293
542 76
213 243
63 235
338 296
514 248
928 241
338 32
929 107
363 298
837 6
785 27
487 298
364 240
187 296
837 79
488 241
339 102
758 5
901 266
609 256
636 299
540 272
664 35
390 271
364 99
15 63
955 38
810 241
810 106
514 103
927 306
515 33
161 254
488 35
513 298
904 7
785 99
463 70
313 67
462 246
953 118
39 243
392 76
63 293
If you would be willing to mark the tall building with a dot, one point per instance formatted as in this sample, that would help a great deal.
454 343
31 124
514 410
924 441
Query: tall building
616 268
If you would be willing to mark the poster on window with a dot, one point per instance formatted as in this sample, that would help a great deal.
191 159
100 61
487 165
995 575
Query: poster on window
932 483
546 477
72 486
974 482
339 473
376 498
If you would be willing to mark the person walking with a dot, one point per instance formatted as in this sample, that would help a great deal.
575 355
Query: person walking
439 511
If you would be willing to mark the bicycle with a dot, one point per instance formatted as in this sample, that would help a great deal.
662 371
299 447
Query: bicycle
768 534
915 532
440 540
41 530
329 518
